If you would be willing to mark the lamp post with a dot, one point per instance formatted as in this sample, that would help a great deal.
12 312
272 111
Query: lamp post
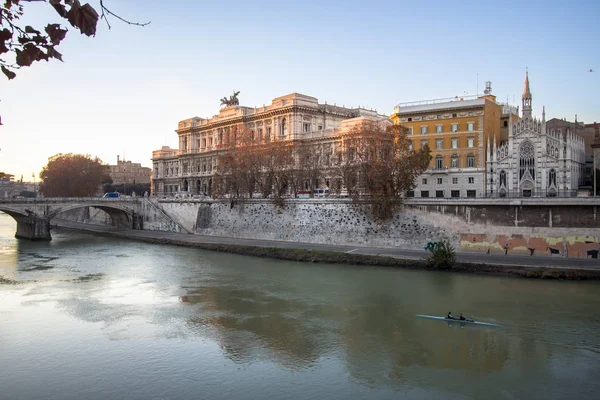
34 191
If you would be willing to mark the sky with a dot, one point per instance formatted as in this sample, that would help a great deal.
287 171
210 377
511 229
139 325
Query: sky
123 91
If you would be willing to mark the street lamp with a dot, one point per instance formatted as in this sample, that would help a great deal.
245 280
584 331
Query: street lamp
34 191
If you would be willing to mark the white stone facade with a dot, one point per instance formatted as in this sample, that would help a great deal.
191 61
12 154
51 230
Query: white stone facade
534 161
297 117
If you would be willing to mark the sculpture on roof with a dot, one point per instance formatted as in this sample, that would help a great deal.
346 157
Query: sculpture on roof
232 101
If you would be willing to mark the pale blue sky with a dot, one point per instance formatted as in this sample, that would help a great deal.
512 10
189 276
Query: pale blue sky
124 91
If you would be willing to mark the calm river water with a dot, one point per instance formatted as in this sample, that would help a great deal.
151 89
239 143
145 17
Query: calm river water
99 318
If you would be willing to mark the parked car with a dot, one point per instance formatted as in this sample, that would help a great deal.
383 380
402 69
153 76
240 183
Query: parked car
112 195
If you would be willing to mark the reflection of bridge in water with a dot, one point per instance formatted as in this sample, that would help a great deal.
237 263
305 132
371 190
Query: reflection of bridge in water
33 216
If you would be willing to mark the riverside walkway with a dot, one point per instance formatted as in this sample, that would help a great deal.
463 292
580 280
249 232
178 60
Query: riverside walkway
511 260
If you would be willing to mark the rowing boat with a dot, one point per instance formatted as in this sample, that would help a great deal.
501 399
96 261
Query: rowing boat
456 320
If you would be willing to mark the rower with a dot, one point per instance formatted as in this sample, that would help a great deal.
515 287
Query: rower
450 316
461 317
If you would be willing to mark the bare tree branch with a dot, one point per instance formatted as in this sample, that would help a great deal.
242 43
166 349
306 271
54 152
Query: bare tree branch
104 9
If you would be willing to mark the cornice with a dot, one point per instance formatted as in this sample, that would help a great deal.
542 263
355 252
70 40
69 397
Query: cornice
263 115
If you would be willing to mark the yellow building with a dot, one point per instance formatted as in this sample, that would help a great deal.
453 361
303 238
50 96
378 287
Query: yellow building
126 172
456 130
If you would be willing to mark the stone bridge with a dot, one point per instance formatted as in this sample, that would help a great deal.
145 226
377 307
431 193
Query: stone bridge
33 215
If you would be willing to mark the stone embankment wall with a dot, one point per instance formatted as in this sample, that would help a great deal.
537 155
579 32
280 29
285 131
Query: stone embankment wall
316 221
555 227
523 227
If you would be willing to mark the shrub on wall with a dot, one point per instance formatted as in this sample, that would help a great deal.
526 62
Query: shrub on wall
441 255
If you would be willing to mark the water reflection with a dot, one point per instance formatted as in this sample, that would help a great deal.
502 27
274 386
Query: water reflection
270 321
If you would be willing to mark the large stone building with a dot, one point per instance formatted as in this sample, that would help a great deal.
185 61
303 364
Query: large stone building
294 117
126 172
455 129
585 131
534 160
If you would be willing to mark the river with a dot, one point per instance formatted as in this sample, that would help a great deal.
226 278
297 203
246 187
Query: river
99 318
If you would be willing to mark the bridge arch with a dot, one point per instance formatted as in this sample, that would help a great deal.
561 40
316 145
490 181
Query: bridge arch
120 215
15 213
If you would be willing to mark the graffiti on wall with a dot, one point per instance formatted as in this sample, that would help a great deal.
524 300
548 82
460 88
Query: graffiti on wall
532 245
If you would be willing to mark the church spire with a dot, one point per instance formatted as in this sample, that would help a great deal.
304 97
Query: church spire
544 114
526 97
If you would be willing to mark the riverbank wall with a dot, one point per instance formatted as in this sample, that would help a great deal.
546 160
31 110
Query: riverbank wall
534 227
308 254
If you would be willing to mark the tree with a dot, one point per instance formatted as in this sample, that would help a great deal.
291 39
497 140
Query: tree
28 45
379 164
252 164
72 175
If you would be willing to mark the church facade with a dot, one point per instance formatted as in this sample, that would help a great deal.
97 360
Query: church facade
534 161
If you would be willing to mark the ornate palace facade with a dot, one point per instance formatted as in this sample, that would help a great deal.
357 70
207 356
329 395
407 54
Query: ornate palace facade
294 117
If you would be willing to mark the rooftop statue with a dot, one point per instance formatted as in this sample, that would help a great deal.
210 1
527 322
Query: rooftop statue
232 101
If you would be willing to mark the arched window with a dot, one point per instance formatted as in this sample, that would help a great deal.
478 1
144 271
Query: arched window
552 178
502 178
283 127
526 160
454 161
470 160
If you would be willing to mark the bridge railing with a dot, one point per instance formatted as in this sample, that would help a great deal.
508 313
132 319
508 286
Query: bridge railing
69 200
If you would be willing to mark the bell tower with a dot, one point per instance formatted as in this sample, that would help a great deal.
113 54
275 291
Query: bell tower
526 98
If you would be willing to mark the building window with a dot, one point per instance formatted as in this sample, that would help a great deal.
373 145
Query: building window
439 162
410 145
260 134
424 181
439 193
454 127
424 130
470 161
454 115
471 193
505 124
454 143
471 179
410 130
203 143
306 127
470 142
454 161
439 128
440 181
424 193
455 181
439 144
552 176
252 135
527 160
502 178
268 137
283 127
210 141
455 193
320 127
439 116
424 143
470 126
410 193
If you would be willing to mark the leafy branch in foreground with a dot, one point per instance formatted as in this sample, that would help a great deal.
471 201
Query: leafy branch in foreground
26 44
